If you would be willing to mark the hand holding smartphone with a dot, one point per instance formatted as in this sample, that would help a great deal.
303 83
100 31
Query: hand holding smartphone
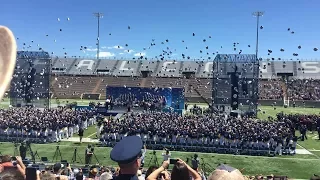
173 161
31 173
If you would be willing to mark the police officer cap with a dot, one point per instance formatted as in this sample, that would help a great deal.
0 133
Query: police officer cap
127 150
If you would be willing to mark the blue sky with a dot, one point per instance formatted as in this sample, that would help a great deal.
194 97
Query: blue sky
225 21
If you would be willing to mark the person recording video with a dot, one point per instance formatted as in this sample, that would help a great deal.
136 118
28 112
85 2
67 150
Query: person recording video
89 153
166 155
195 162
23 150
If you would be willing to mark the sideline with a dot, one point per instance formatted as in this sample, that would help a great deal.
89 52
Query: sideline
181 152
308 151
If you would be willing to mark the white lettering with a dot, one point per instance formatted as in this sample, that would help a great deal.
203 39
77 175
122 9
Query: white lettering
207 67
123 68
85 63
238 57
164 66
310 67
262 69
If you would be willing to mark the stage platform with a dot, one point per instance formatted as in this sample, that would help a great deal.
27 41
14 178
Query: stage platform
118 110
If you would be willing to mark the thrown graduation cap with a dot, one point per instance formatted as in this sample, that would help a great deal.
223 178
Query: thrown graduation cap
209 36
292 32
315 49
299 47
282 50
60 30
193 34
204 40
129 27
261 27
249 45
288 29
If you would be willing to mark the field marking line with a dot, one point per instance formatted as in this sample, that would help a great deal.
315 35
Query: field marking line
91 135
308 151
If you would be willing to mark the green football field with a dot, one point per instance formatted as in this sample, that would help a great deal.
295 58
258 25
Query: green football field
297 167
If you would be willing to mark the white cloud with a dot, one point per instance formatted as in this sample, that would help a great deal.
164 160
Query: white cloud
140 54
116 47
104 47
129 51
106 54
88 49
121 53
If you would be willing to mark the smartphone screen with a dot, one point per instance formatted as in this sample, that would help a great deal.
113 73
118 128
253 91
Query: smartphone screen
31 173
173 161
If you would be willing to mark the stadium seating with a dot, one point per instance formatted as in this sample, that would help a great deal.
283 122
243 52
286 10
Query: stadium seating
73 87
270 89
306 89
73 74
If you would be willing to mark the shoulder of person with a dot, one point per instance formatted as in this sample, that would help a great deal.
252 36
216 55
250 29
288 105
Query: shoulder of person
63 177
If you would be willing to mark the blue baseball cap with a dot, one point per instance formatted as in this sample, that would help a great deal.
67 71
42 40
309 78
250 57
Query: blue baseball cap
127 150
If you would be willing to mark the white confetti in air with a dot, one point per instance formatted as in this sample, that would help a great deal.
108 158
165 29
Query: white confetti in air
58 19
68 19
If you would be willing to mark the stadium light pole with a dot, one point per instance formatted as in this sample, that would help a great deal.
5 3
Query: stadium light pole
98 15
257 14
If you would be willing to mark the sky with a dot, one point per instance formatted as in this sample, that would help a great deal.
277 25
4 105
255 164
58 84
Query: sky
37 24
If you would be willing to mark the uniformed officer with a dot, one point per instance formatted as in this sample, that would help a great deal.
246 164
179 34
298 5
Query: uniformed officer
127 153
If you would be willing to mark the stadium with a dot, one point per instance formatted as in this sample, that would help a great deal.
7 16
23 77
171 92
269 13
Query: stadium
228 111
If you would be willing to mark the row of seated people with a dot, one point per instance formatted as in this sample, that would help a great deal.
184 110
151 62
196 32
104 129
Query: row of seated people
41 126
208 144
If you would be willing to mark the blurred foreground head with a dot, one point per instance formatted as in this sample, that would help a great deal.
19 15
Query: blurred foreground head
223 172
8 52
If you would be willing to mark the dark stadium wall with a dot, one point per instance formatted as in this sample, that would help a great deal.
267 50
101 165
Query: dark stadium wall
315 104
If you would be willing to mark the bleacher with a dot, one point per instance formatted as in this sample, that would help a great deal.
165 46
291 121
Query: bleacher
73 87
78 76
